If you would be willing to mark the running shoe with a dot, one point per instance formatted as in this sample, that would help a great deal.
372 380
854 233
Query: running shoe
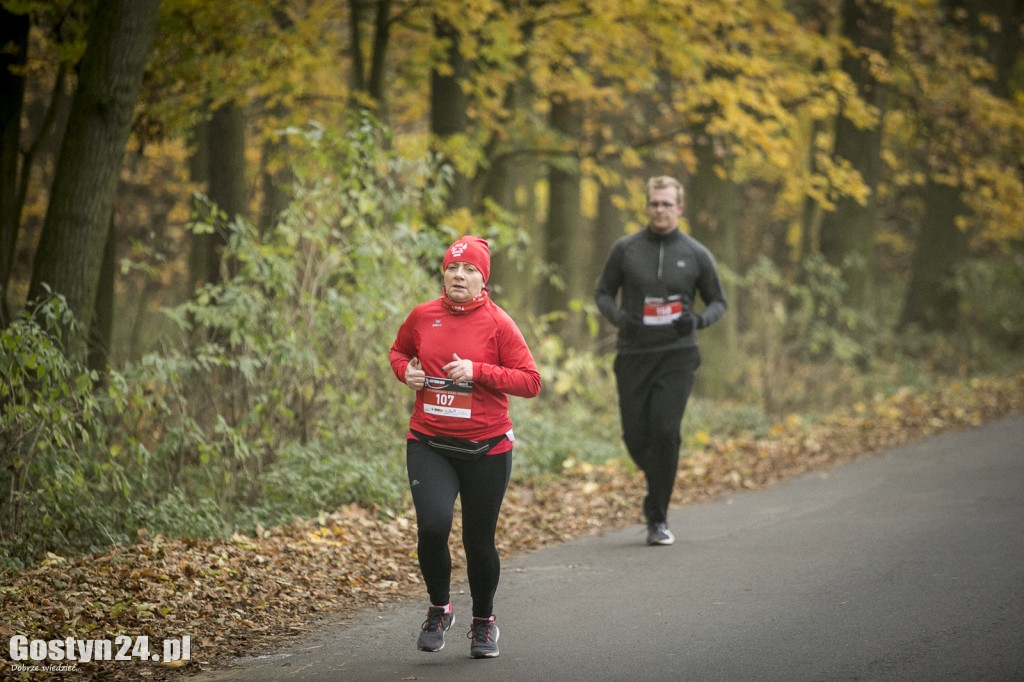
659 534
434 627
484 634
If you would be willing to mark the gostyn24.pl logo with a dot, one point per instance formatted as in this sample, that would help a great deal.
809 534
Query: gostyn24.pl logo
26 652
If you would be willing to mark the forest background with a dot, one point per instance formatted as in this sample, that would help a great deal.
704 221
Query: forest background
216 215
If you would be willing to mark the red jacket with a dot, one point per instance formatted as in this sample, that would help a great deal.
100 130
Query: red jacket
502 366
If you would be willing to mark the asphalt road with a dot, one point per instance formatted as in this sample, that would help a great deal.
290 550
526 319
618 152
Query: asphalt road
904 566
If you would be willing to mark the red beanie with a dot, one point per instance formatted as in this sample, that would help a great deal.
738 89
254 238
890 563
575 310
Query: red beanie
472 250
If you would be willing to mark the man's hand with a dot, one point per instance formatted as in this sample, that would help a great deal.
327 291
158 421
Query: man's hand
630 323
686 323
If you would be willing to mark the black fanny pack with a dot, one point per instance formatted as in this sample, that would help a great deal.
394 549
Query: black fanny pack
459 448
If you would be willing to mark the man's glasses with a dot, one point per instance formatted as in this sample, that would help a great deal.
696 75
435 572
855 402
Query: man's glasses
660 204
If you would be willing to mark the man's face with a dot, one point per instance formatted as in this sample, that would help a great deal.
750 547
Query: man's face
663 210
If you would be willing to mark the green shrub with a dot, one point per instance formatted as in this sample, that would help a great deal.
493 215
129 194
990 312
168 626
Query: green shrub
49 438
273 399
273 408
991 299
800 339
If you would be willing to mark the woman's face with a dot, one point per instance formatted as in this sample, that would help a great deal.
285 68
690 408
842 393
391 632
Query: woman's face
462 281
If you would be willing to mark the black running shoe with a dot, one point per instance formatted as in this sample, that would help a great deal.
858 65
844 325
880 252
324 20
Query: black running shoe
484 634
434 627
659 534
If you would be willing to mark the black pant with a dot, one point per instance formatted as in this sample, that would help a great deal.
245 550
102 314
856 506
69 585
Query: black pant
435 481
653 391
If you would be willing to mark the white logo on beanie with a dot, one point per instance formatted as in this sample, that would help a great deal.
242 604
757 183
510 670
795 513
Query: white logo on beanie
458 248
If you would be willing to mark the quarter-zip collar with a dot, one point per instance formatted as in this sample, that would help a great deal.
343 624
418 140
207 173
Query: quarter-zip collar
661 240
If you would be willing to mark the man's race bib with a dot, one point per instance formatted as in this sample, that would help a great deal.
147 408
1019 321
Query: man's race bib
447 398
662 311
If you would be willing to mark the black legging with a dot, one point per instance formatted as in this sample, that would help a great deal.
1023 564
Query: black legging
435 481
653 391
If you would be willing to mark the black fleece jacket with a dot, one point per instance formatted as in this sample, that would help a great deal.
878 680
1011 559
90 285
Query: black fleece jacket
647 265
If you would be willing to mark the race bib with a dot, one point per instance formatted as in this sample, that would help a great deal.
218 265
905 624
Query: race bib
662 311
447 398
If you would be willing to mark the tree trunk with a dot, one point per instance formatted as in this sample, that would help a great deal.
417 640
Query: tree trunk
219 158
357 72
377 82
608 227
448 104
102 330
370 82
14 37
77 221
567 240
509 181
227 175
199 173
811 210
274 184
711 212
512 278
932 297
849 230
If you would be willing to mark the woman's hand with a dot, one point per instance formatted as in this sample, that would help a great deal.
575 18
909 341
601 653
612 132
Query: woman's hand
458 369
415 377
